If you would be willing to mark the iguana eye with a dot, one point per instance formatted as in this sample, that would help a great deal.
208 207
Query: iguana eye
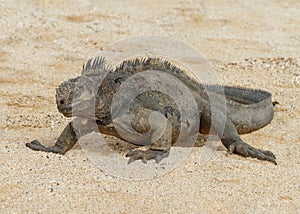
118 80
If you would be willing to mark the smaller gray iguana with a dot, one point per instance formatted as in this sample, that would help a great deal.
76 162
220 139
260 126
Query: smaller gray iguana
90 96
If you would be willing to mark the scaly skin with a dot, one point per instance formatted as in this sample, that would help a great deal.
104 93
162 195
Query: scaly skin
90 98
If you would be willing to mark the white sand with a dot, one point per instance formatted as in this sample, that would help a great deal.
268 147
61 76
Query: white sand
46 42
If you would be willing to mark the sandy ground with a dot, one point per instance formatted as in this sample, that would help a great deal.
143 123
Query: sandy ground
46 42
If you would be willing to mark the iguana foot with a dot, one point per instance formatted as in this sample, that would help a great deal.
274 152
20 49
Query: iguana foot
37 146
138 154
246 150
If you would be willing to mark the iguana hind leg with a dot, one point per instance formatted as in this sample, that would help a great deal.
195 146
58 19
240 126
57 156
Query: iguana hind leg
244 149
230 137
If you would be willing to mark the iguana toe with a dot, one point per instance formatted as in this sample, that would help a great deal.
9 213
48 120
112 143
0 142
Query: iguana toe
36 145
150 154
246 150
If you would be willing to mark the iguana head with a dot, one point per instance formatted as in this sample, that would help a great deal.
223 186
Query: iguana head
75 97
85 96
89 95
64 97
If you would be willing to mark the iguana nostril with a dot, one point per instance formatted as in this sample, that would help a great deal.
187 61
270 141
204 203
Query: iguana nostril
62 102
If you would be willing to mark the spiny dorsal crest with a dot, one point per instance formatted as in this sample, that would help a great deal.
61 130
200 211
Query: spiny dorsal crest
135 65
141 64
95 65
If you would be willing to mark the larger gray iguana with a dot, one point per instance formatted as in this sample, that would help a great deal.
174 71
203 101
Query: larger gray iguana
89 97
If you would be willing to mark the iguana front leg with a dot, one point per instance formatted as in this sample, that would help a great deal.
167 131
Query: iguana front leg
157 149
67 139
230 137
150 129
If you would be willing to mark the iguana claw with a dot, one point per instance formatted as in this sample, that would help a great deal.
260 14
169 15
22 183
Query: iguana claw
246 150
138 154
37 146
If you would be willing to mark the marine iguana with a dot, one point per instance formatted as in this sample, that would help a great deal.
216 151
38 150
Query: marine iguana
89 97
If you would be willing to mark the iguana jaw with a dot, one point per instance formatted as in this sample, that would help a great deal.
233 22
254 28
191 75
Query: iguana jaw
77 108
67 109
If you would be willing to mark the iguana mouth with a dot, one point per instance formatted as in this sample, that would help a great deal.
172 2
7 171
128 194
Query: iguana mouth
67 109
